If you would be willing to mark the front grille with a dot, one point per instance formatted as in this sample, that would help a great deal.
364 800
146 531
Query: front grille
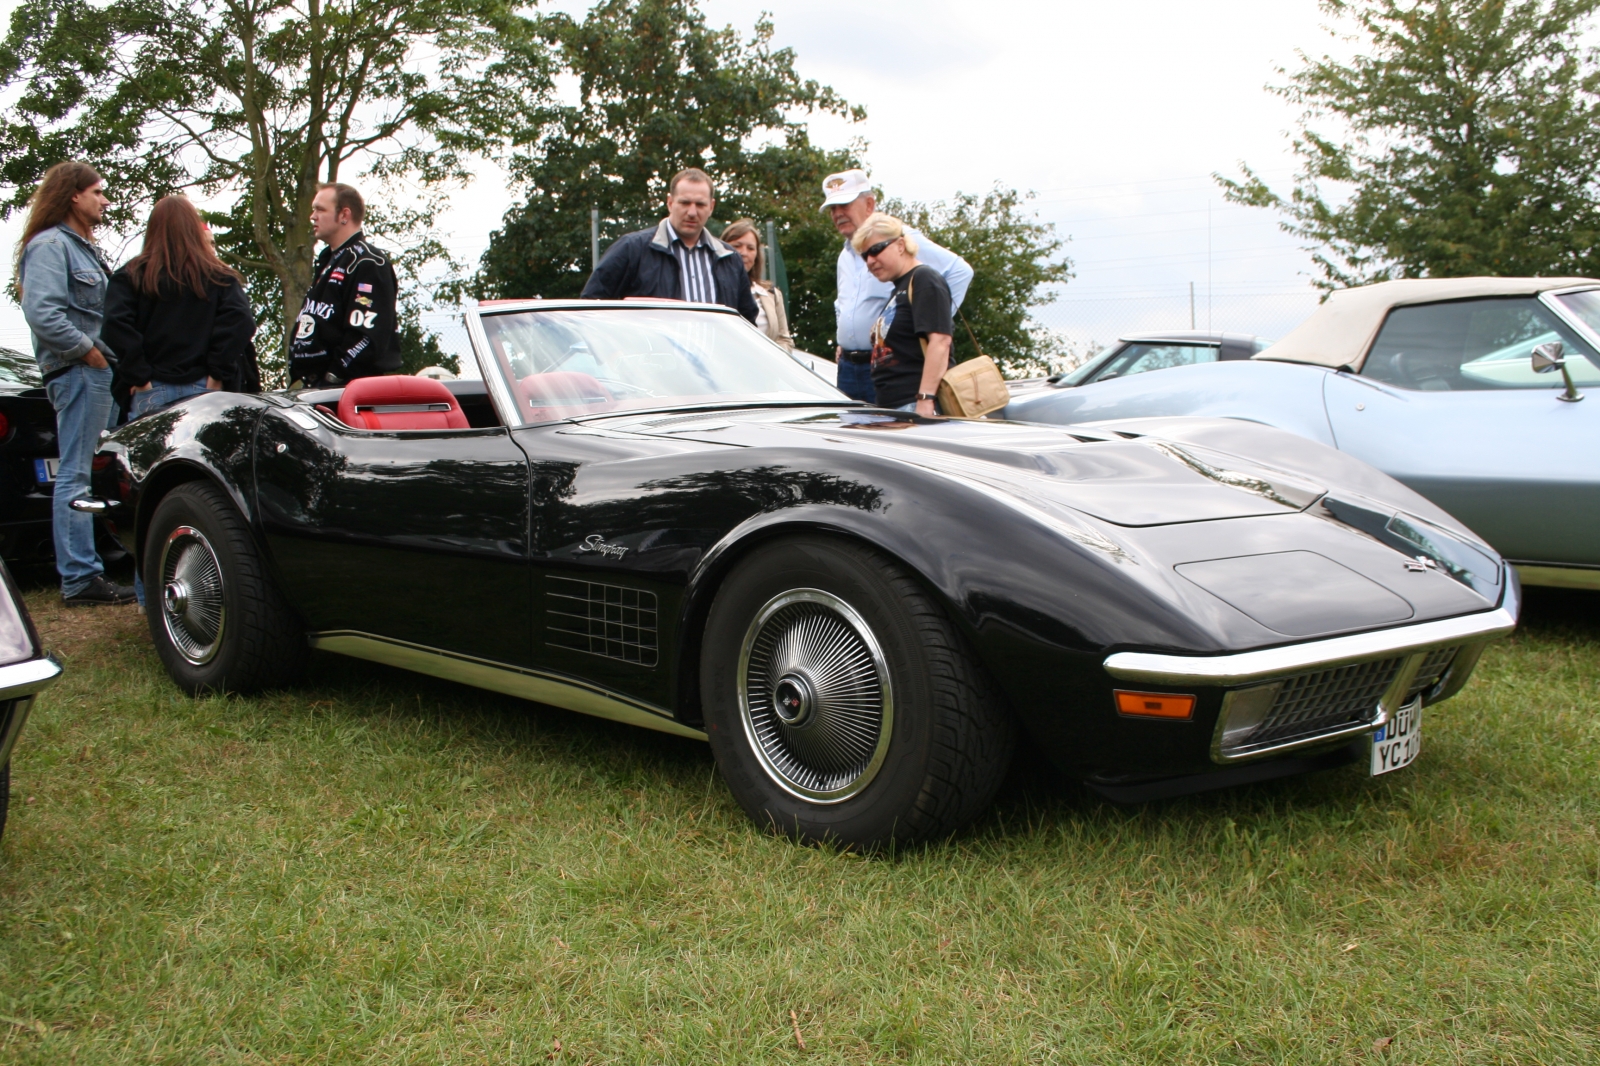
1433 668
1325 702
607 620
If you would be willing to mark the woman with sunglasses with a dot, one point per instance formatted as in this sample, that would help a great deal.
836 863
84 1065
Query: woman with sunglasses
911 342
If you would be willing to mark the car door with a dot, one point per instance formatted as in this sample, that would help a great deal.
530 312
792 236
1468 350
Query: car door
1447 402
413 535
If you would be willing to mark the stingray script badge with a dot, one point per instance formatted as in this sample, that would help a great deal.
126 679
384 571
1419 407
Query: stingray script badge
594 542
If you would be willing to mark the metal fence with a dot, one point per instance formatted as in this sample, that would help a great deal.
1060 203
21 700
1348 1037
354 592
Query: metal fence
1087 321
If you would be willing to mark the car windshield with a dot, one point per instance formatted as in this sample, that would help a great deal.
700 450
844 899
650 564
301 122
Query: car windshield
1077 374
18 369
1141 356
1585 306
563 363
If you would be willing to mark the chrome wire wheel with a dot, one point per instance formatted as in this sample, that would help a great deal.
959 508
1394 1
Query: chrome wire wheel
191 595
815 696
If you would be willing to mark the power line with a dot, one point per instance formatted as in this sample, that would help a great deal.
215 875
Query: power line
1239 253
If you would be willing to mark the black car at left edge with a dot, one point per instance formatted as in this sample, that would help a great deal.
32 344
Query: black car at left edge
646 511
28 463
27 459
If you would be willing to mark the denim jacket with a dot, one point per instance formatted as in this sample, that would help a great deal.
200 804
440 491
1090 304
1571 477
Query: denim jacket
63 283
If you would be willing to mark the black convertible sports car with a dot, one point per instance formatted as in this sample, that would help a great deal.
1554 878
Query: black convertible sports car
646 511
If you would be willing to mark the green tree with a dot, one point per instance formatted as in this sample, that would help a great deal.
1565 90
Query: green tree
259 101
419 349
658 90
1468 134
1015 258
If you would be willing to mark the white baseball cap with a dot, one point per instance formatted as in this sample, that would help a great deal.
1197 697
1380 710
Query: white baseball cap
844 187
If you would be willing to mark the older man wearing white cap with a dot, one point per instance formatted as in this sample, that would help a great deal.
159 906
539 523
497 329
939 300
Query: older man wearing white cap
848 197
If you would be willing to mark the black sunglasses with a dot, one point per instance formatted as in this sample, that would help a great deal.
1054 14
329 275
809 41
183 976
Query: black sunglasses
877 249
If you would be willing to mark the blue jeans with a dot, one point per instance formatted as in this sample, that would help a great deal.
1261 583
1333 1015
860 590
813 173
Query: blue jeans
158 395
855 380
161 393
82 399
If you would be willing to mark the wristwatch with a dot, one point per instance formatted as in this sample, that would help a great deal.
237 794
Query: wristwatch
927 396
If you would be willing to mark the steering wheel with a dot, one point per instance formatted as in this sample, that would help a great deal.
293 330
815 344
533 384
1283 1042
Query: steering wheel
624 387
572 352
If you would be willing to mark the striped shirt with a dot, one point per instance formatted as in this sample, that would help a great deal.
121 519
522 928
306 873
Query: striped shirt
695 266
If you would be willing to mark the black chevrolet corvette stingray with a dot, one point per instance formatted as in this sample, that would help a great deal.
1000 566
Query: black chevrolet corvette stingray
646 511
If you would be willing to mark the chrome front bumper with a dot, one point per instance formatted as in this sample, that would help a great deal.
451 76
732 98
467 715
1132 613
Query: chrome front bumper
1255 678
19 683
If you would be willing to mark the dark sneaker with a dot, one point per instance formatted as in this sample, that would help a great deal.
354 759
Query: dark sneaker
98 593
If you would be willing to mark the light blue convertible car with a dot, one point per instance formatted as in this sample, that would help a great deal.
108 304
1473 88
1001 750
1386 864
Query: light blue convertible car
1469 390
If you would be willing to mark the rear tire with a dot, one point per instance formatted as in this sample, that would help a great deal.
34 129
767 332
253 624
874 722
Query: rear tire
218 622
841 703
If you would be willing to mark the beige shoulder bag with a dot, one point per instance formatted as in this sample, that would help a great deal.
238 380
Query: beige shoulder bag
969 389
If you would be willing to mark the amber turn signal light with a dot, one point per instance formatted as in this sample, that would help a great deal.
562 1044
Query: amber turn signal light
1154 705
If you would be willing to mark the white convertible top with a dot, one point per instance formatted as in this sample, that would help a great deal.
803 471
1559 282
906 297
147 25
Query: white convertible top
1340 331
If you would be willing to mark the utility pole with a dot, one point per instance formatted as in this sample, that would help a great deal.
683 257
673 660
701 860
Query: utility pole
767 267
1208 262
594 239
1191 305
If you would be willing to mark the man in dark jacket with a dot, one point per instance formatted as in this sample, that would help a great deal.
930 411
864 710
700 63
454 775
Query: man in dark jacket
676 259
347 326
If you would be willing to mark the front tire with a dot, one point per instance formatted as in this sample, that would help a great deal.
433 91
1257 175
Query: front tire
841 703
218 622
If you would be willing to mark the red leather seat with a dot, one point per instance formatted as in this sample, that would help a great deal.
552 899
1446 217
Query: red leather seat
556 393
398 402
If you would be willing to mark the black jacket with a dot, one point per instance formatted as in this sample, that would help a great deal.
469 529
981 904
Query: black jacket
347 326
175 336
642 264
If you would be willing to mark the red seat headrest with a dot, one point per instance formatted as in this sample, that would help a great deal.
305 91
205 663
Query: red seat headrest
564 393
395 401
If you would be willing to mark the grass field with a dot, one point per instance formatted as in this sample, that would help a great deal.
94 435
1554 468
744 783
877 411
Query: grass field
381 868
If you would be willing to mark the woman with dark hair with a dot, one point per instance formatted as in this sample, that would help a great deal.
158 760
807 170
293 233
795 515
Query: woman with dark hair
770 316
61 282
176 315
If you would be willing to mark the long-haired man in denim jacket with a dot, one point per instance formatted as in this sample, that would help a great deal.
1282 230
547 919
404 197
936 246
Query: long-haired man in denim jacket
62 281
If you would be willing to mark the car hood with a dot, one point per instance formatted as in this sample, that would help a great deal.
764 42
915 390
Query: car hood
1135 500
1126 478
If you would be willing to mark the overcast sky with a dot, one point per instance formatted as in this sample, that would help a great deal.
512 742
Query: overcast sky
1115 114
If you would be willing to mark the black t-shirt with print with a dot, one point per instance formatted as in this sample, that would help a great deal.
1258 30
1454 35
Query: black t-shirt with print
919 306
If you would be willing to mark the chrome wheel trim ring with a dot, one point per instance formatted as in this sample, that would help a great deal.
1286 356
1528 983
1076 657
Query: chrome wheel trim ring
812 649
191 595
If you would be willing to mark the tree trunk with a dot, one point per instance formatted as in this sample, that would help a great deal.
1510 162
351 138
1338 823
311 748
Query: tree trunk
299 254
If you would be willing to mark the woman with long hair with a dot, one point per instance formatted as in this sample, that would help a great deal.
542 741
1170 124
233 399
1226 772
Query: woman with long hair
771 317
176 315
61 280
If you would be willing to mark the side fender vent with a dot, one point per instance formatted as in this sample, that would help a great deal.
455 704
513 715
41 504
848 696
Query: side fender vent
610 621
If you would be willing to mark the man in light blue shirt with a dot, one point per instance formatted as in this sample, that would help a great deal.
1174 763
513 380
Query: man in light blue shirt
849 198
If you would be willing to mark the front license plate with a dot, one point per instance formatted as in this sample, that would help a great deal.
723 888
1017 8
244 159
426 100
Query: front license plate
1400 742
45 470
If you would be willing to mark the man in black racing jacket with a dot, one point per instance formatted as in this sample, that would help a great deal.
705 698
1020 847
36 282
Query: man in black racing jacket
346 327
